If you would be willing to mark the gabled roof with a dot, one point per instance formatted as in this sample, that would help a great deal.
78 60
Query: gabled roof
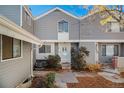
52 10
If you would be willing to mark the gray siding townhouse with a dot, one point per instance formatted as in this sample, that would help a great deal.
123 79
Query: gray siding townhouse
60 31
16 39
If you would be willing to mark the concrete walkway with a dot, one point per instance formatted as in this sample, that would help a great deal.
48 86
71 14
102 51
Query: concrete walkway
70 77
65 77
112 77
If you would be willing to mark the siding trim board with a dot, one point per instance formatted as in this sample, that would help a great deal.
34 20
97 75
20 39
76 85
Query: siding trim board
87 40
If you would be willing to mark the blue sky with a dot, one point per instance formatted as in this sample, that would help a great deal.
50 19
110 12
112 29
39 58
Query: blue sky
76 10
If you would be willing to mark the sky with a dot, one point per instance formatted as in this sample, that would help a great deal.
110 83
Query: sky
76 10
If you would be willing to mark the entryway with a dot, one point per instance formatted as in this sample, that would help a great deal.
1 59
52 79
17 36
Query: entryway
64 50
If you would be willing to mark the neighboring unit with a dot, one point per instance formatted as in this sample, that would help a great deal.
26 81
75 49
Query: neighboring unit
16 39
61 31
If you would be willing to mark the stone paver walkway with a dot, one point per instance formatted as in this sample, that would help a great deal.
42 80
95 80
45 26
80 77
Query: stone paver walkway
65 77
70 77
112 77
84 79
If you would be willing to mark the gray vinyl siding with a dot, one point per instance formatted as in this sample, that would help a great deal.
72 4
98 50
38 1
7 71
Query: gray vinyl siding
46 28
91 47
56 48
25 24
12 12
90 28
15 71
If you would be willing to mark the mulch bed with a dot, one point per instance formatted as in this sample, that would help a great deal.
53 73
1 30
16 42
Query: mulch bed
38 82
94 82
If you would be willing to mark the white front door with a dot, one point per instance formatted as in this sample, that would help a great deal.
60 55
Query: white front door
65 52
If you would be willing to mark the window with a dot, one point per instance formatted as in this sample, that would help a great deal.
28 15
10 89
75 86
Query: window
11 48
63 26
64 49
110 50
45 49
16 48
114 27
121 28
103 50
116 50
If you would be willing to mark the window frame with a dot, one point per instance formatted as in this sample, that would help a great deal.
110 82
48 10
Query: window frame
113 49
59 27
109 30
13 58
44 50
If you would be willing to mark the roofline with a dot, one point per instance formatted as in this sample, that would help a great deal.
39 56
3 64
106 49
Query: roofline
56 8
17 30
28 11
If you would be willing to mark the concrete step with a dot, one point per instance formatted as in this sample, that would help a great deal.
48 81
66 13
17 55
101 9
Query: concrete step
114 71
66 65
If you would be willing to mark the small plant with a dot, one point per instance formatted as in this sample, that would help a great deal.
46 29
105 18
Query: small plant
94 67
50 78
79 58
53 61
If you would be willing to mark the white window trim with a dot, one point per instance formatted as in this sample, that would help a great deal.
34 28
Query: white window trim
12 58
112 44
58 26
112 31
46 53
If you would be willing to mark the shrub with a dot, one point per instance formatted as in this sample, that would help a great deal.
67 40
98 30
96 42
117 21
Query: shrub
44 82
38 82
50 78
53 61
78 58
94 67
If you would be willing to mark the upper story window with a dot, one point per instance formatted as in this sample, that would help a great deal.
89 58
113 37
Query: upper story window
45 49
28 18
121 28
63 26
114 26
11 48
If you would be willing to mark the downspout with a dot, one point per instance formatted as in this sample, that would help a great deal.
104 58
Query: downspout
31 63
79 34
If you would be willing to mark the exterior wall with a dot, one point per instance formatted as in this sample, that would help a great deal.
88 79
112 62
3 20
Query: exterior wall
90 28
106 59
12 12
15 71
91 47
46 28
75 45
25 24
41 56
56 48
65 56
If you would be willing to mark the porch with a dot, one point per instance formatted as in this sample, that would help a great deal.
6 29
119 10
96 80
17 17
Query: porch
111 56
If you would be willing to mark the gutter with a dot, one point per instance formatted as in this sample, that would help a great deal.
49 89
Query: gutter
13 30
